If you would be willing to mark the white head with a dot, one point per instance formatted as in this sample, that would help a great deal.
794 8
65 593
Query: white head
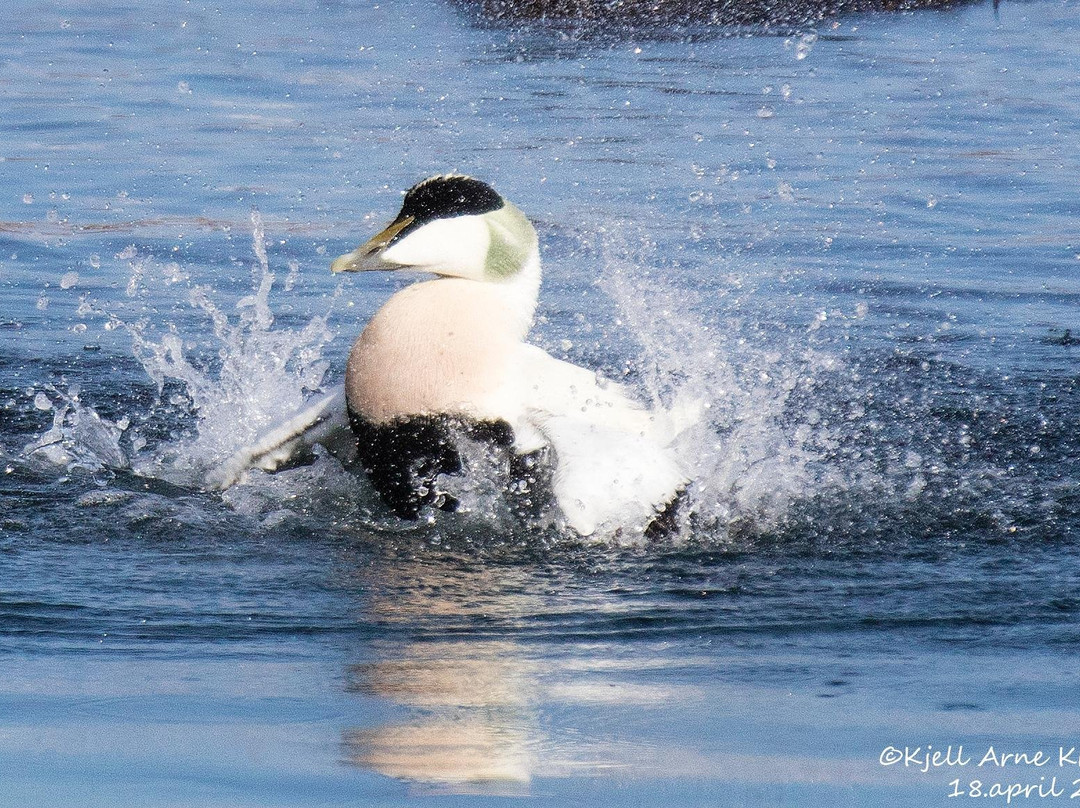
454 226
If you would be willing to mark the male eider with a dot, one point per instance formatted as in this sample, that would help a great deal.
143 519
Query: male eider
445 360
450 353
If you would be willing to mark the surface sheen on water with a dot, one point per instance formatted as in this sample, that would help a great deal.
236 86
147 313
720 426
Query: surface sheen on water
858 242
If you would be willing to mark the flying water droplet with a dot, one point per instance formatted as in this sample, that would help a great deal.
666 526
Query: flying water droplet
293 276
805 45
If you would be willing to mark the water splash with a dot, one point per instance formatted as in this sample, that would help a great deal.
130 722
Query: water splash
806 441
749 460
796 436
79 438
257 374
805 45
260 374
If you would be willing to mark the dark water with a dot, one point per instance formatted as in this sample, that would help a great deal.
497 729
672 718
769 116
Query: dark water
858 242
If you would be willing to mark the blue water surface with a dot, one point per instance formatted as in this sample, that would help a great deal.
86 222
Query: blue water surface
857 240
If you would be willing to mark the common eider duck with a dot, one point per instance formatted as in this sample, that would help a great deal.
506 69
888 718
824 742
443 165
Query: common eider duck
445 360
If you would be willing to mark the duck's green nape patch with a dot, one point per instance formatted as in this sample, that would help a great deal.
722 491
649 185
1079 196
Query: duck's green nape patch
512 239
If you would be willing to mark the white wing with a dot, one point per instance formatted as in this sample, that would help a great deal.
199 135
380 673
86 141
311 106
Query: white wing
325 422
614 464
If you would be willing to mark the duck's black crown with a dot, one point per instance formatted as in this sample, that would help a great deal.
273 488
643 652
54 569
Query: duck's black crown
448 195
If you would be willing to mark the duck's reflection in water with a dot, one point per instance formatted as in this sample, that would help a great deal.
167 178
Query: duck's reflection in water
509 675
464 691
471 723
489 653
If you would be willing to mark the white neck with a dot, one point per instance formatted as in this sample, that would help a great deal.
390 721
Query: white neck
521 292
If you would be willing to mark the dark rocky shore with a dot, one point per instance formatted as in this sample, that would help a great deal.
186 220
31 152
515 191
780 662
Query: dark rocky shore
689 12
